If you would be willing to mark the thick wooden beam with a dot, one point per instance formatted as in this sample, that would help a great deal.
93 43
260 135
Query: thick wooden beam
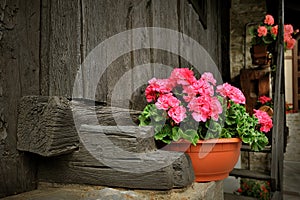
84 112
101 148
100 163
128 138
46 126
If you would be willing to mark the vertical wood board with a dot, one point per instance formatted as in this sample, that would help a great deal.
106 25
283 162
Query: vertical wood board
19 75
64 50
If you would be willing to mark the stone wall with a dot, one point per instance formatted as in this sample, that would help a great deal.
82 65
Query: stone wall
291 165
242 12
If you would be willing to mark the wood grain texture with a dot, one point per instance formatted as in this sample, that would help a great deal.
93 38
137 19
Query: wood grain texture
81 167
165 15
46 126
119 72
85 112
139 16
94 31
19 75
254 83
116 156
64 50
128 138
45 27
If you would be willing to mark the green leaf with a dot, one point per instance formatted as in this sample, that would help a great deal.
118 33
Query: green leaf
190 135
176 133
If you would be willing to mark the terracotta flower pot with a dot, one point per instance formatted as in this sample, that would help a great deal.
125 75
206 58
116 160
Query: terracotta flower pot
212 159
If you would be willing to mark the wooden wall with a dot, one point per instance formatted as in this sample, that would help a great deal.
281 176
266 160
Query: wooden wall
43 43
19 75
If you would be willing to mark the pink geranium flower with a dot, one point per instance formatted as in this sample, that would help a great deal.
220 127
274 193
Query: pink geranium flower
178 114
200 107
150 93
181 102
166 101
228 91
182 76
290 43
203 87
269 20
274 30
216 108
190 93
288 28
264 120
157 87
266 33
264 99
262 31
204 108
207 76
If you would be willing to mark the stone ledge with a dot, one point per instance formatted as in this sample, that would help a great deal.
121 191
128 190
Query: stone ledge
47 191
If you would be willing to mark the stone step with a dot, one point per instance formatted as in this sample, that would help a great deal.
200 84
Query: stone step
292 157
294 132
210 190
292 148
293 139
291 178
293 117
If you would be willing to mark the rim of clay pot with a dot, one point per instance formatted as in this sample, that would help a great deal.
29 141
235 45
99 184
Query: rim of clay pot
220 140
214 140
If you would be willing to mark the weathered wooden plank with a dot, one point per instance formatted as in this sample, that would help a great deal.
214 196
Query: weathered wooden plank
29 40
141 16
165 15
45 27
46 126
18 174
19 70
119 72
191 26
128 138
154 170
85 113
94 31
64 50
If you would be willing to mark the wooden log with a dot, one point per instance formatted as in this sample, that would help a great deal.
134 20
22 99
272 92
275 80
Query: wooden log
116 156
97 162
84 112
128 138
46 126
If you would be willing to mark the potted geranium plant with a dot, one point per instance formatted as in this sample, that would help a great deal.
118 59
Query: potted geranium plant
184 109
264 37
266 104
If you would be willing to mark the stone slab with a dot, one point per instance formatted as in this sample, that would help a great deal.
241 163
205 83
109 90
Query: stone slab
291 178
46 191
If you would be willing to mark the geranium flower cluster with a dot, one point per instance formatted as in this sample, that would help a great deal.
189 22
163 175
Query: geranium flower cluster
174 101
264 99
266 33
255 188
198 95
264 120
